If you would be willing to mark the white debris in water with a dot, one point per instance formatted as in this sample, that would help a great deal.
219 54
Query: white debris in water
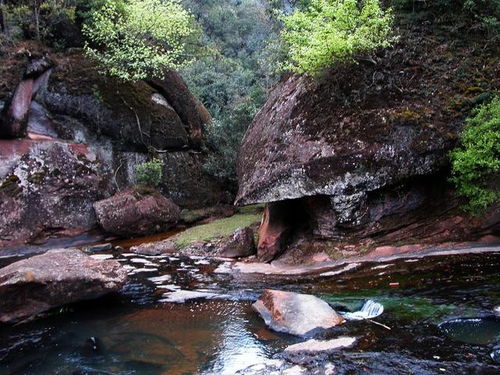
370 309
330 369
128 255
224 268
321 346
181 296
496 310
171 287
349 267
411 260
143 270
202 261
154 256
144 262
160 279
173 258
128 267
101 256
382 266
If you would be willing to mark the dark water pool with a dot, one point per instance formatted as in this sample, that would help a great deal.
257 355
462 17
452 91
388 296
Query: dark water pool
140 332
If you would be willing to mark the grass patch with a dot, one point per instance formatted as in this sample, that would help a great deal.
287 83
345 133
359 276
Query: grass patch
219 228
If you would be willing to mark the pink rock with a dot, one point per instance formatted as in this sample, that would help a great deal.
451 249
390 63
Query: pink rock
294 313
130 213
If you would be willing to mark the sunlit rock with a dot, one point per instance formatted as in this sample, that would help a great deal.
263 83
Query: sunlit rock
294 313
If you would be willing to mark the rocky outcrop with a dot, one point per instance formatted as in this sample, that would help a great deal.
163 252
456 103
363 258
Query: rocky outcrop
134 213
47 188
63 103
362 151
296 314
240 244
56 278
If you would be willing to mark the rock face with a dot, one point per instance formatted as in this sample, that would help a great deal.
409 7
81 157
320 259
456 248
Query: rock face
46 188
353 153
294 313
58 277
240 244
130 213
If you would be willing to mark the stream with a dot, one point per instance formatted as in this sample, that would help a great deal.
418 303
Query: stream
177 316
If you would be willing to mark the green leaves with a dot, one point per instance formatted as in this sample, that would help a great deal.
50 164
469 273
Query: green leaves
139 40
149 173
329 31
476 162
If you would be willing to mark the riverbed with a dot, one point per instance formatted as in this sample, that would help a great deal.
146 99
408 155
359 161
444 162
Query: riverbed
177 315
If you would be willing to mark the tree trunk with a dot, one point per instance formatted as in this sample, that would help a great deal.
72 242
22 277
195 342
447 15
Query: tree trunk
36 15
2 18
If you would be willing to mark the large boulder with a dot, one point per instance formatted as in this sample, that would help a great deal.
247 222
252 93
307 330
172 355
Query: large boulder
363 150
296 314
135 213
47 188
34 285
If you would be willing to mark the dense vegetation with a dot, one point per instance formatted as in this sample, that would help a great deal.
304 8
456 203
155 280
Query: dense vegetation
326 32
476 164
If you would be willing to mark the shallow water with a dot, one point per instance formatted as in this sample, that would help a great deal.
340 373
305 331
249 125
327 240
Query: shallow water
137 333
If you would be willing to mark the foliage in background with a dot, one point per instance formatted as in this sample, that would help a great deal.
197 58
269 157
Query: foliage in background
141 40
149 173
476 163
234 75
326 32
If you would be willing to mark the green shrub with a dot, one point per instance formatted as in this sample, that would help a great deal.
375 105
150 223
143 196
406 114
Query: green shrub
149 173
140 40
476 163
329 31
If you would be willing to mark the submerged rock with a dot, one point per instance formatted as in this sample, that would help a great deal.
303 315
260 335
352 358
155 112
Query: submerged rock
296 314
240 244
56 278
131 213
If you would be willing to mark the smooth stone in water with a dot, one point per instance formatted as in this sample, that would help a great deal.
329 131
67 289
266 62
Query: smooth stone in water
294 313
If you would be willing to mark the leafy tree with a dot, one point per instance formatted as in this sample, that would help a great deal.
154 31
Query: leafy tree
477 161
140 40
329 31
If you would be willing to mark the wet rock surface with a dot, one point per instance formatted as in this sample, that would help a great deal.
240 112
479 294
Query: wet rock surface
56 278
296 314
130 213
